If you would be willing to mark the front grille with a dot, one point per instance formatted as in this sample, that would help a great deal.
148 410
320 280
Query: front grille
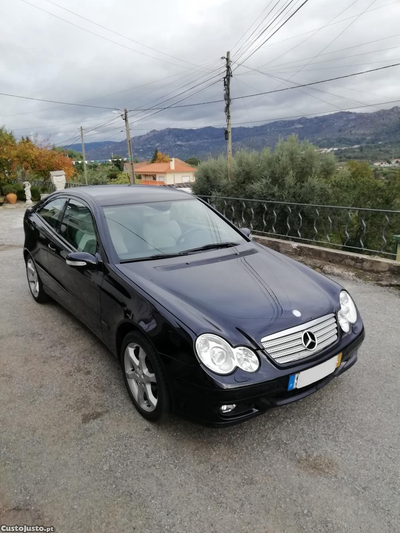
287 346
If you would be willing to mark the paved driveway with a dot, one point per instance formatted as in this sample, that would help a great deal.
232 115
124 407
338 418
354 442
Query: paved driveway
75 455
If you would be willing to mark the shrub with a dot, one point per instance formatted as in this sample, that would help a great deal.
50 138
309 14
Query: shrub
20 192
35 192
122 178
9 188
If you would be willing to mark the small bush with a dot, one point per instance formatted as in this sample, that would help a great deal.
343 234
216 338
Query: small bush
20 192
44 189
35 192
9 188
122 178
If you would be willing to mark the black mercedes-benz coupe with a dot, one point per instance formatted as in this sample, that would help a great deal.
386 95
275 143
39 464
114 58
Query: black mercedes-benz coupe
202 319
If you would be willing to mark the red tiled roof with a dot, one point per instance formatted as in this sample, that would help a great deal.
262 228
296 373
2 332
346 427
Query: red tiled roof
165 168
138 165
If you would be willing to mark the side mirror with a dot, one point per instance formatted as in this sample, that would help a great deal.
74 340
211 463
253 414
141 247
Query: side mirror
246 232
81 259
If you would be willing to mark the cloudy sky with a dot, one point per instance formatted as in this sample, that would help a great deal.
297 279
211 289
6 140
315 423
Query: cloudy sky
144 55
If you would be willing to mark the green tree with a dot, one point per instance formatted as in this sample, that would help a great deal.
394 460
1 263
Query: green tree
155 156
294 171
8 147
298 173
193 161
118 161
72 154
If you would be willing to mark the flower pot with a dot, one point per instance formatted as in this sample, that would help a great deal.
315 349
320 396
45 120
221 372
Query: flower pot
11 198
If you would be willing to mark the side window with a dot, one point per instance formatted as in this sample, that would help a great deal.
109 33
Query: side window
77 227
51 212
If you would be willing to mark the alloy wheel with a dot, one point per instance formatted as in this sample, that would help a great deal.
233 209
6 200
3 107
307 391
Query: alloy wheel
33 278
140 377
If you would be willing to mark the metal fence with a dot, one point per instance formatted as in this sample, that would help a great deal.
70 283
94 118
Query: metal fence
356 229
70 184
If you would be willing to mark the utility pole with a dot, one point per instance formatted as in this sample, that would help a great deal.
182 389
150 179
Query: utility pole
227 96
128 139
84 157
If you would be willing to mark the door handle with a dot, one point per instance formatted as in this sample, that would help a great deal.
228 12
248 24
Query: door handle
51 247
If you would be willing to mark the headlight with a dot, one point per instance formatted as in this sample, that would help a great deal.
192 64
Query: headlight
219 356
348 312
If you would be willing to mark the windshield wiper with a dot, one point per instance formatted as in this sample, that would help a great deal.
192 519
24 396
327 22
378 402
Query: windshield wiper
211 246
149 257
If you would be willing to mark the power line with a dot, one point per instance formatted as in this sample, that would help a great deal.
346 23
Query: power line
120 34
180 94
251 43
313 82
173 106
329 68
274 99
276 31
332 41
101 36
292 67
238 41
312 35
198 83
322 91
331 24
354 90
292 87
103 96
114 119
247 40
56 101
304 115
72 103
326 113
280 90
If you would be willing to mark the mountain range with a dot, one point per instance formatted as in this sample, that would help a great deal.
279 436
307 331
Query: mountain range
340 129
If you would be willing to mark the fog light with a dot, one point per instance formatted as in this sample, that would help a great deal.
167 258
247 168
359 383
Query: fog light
224 409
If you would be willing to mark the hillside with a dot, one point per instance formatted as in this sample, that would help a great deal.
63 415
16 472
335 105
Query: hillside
339 129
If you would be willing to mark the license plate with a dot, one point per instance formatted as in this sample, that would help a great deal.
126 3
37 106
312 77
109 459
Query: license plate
311 375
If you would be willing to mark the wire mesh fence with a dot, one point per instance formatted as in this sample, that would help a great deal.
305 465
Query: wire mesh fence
356 229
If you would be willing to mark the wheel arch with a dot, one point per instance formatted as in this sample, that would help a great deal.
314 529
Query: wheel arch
123 330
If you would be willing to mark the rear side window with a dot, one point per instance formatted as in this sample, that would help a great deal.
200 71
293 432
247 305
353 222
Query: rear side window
52 211
77 227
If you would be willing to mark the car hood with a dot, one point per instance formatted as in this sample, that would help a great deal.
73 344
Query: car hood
247 292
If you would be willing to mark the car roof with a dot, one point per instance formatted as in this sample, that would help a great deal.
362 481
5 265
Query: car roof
127 194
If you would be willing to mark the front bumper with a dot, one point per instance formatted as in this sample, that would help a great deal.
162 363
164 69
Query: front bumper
203 404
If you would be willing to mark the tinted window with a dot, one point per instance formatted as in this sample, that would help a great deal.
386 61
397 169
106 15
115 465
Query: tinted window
144 230
77 227
52 211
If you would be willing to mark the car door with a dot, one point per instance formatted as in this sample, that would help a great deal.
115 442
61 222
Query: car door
78 288
45 223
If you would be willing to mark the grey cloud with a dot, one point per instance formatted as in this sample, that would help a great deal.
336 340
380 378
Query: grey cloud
44 57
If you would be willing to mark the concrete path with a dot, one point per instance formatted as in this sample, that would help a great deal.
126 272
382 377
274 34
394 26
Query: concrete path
75 455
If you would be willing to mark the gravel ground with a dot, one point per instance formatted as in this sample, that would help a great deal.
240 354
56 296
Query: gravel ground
75 455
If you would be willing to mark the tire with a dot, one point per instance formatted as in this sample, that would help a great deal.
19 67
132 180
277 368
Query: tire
144 377
34 282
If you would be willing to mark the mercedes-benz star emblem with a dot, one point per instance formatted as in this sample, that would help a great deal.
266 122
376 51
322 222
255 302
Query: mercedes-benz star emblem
309 340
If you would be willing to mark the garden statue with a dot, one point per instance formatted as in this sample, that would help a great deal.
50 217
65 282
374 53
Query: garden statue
28 195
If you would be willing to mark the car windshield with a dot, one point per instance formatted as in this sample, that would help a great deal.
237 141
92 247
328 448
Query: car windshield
158 229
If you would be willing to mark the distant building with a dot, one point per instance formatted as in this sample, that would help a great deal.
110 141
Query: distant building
174 172
386 164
